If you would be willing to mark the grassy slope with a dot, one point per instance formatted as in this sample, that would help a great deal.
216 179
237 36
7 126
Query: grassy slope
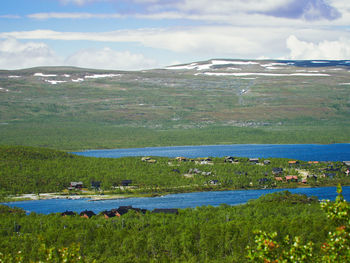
160 107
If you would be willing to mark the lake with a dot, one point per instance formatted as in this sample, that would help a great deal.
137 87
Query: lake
305 152
170 201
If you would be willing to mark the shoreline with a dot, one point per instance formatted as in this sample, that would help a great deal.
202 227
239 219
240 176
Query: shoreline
98 197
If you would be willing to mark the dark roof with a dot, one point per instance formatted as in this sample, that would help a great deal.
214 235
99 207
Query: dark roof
87 213
68 213
109 213
96 183
166 210
76 183
126 182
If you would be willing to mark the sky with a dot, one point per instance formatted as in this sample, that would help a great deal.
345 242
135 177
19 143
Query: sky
144 34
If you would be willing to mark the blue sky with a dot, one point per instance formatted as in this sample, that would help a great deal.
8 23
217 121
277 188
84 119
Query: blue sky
142 34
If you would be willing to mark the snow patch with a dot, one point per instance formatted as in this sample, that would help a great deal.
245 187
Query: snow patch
344 84
273 64
13 77
262 74
78 80
4 90
66 75
233 62
43 75
55 82
318 62
98 76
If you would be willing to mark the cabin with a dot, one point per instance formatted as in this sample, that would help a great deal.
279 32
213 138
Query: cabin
87 214
96 185
293 163
267 162
254 160
126 182
264 180
330 175
166 211
124 209
181 159
213 182
229 159
75 186
146 158
291 178
346 163
279 179
68 213
312 176
277 171
109 214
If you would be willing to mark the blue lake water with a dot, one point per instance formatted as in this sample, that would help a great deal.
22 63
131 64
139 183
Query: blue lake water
305 152
170 201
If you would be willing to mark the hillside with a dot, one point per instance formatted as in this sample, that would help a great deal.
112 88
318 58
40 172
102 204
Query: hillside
218 101
29 170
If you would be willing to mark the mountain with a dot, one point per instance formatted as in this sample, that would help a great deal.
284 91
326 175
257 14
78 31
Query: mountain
208 102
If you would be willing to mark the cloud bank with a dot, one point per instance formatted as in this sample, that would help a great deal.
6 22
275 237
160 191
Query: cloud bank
18 55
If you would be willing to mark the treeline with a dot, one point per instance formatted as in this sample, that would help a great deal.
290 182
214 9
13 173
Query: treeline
38 170
202 234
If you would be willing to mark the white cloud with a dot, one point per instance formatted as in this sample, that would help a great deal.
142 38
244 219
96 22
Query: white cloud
109 59
16 55
336 50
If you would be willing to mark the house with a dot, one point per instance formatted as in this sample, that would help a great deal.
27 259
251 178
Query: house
279 179
254 160
346 163
293 163
213 182
312 176
304 180
181 159
95 184
124 209
126 182
109 214
313 162
229 159
75 186
291 178
330 175
264 180
166 211
146 158
68 213
87 214
277 171
267 162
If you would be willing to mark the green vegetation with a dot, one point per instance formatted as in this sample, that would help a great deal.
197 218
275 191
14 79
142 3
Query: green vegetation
40 170
203 234
334 249
163 107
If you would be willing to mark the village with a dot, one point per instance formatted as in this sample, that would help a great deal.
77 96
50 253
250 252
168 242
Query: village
301 173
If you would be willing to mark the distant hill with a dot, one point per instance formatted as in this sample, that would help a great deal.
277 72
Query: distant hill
214 101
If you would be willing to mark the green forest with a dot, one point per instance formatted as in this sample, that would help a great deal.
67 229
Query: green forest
244 233
25 170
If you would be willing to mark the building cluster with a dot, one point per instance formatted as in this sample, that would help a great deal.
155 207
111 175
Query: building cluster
118 212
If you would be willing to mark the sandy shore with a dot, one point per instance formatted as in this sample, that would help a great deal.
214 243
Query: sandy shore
46 196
